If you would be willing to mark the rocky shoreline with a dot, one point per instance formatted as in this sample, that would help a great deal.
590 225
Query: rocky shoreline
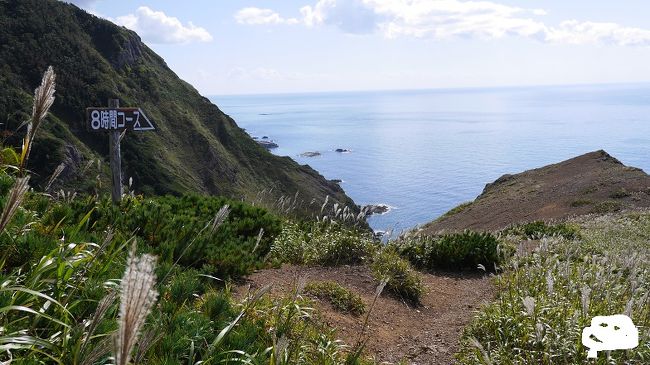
375 209
265 142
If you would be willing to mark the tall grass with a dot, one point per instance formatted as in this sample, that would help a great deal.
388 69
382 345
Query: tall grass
341 298
321 243
43 307
397 275
62 307
137 297
545 300
43 100
14 199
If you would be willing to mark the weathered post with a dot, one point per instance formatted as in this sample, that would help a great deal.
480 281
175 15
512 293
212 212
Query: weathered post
115 156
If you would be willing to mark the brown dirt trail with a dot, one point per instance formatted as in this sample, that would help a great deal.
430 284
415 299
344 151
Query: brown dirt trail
424 335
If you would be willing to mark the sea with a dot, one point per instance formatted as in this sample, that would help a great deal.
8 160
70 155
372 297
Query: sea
423 152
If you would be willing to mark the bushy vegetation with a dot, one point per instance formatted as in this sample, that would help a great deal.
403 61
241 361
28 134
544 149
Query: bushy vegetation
83 281
620 194
326 244
453 251
581 203
539 229
607 206
55 254
398 275
545 301
330 244
174 229
341 298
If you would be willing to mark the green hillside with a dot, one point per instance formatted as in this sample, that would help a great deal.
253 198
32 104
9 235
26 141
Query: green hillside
197 148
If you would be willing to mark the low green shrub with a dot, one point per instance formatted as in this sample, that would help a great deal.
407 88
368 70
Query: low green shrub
581 203
321 244
184 287
607 206
453 251
341 298
174 229
620 194
214 304
401 280
539 229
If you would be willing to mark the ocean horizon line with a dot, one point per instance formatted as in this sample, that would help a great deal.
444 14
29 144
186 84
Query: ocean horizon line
433 89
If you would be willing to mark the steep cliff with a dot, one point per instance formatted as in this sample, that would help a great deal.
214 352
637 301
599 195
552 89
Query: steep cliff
197 148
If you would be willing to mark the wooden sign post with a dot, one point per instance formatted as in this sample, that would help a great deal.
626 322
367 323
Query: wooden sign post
115 120
115 158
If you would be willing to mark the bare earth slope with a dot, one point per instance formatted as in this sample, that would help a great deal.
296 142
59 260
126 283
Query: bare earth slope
592 183
425 335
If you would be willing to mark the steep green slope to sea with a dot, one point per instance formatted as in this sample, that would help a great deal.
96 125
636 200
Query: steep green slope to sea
196 148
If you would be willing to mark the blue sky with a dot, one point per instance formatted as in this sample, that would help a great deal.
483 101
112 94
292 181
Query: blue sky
258 46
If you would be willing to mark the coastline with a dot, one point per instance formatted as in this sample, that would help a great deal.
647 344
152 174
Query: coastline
440 167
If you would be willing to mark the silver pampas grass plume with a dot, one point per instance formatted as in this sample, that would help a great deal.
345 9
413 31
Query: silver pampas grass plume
475 343
529 304
550 283
219 218
14 199
43 100
137 297
584 298
44 96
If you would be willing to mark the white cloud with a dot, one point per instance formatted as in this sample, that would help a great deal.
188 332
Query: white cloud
352 16
442 19
257 16
417 18
157 27
452 18
575 32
